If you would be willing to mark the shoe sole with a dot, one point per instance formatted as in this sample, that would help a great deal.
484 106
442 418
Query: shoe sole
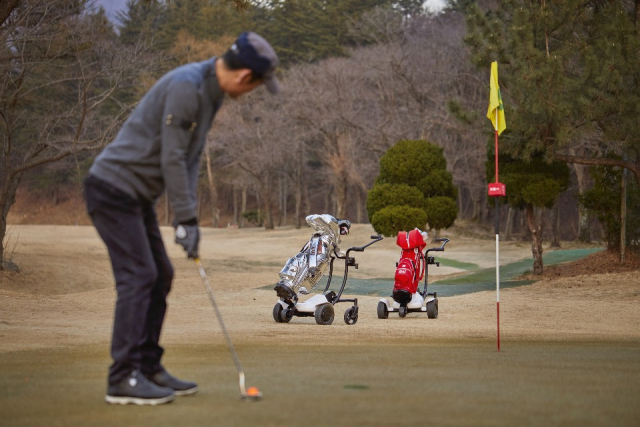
125 400
186 392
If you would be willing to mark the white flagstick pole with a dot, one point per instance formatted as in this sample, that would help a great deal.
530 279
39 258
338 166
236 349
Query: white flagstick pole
498 280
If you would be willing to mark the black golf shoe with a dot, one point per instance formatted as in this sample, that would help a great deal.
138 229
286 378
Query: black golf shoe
137 389
180 388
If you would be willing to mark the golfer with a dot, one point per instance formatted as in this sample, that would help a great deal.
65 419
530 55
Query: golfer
158 149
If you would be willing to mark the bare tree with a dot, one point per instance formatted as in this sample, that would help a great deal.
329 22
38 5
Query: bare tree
62 74
249 139
426 89
329 100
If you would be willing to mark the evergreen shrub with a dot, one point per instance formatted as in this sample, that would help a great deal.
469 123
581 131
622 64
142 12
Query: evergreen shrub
391 219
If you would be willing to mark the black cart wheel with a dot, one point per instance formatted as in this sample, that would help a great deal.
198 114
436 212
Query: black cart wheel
286 315
432 309
277 311
402 311
383 311
351 316
324 314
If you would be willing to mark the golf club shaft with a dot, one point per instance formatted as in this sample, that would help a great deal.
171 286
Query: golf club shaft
232 349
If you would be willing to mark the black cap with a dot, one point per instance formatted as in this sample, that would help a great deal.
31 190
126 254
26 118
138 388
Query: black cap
255 53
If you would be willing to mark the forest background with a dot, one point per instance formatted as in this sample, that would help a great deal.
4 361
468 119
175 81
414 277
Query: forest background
357 77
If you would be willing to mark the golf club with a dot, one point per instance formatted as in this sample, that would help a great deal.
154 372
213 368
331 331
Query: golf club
252 394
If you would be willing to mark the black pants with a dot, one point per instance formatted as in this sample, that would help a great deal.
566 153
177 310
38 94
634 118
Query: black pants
143 275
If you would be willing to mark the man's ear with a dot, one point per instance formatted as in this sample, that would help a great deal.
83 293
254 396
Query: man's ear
244 75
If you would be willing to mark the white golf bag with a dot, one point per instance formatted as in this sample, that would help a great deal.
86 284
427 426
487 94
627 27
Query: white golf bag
302 272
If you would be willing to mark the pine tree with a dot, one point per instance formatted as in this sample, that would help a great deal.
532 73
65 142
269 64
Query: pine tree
309 30
140 21
60 95
569 73
413 178
532 183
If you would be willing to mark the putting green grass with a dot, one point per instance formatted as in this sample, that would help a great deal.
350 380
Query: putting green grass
380 382
456 264
474 281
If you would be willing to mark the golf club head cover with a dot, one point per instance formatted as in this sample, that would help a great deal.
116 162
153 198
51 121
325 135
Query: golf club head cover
188 235
345 226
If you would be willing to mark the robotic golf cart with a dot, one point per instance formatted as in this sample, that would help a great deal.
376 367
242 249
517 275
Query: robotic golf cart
309 266
412 267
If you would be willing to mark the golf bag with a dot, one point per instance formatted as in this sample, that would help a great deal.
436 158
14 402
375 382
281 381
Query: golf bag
411 267
302 272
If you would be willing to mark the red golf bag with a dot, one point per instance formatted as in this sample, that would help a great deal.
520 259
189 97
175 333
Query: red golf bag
411 267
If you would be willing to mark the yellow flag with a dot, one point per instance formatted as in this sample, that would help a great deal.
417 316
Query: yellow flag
495 102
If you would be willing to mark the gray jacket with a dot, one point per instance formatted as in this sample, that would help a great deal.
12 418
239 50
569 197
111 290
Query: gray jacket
160 144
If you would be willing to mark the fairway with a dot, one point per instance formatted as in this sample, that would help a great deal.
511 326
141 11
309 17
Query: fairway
378 383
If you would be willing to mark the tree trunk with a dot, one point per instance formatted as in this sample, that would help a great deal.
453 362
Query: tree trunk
7 199
299 185
555 226
284 202
508 230
306 203
298 206
265 189
235 207
582 175
341 196
213 192
359 206
584 232
243 205
259 203
536 240
623 215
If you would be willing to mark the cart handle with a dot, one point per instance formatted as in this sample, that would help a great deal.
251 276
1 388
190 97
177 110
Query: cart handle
375 238
441 248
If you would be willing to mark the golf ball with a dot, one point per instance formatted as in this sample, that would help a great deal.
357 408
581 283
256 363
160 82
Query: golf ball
253 391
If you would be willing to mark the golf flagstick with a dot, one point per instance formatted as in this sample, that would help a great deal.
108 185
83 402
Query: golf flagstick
496 189
253 394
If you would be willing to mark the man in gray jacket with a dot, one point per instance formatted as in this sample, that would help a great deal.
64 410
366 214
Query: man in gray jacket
158 149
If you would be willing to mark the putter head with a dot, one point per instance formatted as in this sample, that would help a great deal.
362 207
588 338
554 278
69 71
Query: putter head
252 395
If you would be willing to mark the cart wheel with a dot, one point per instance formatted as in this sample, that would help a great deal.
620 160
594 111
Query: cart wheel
432 309
351 316
383 311
286 315
402 311
324 314
277 311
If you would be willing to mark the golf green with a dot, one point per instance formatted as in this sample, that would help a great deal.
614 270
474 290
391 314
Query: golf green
380 382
